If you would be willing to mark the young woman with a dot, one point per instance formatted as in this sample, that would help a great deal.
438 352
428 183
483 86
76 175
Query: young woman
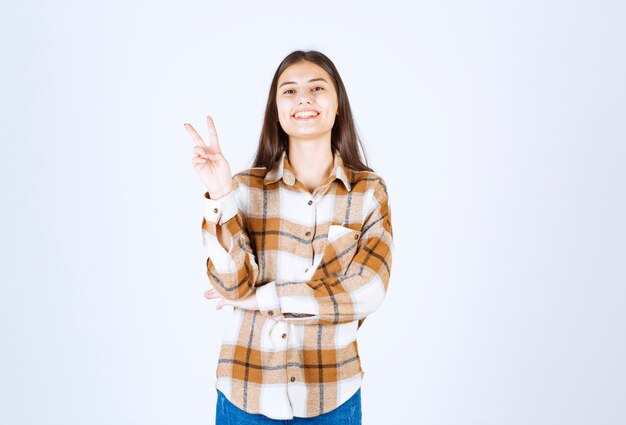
300 245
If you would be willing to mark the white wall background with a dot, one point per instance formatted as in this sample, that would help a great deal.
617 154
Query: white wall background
500 127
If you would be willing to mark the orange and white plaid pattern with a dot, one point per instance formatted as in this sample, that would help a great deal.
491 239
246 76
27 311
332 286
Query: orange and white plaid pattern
319 262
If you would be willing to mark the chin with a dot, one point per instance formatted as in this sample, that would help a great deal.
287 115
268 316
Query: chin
311 132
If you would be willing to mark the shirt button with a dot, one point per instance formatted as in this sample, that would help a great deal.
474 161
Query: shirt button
271 313
308 234
293 378
310 202
284 336
215 210
356 236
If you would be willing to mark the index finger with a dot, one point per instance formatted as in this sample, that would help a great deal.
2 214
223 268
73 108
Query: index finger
194 134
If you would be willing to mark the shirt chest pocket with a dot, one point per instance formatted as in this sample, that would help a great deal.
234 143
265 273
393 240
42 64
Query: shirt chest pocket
339 251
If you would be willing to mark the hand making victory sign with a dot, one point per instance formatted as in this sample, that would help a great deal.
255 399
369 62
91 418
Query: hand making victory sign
214 172
209 162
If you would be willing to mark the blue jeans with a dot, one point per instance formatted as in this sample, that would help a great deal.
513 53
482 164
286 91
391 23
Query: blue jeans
349 413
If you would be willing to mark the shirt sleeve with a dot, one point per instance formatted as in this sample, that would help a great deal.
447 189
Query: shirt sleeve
232 273
333 299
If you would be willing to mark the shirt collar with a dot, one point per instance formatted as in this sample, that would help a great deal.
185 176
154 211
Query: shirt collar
282 169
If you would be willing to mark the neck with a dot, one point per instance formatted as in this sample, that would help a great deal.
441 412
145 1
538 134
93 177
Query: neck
311 160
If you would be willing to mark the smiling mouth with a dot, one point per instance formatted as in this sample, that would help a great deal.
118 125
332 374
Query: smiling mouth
305 115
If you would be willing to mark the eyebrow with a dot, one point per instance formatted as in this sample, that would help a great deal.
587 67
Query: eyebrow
310 81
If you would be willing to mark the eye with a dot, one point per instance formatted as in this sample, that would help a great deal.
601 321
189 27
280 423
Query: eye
286 91
318 87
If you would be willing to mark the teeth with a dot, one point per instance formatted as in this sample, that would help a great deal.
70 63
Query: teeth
305 114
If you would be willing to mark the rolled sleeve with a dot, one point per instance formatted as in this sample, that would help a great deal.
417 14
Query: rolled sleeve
233 272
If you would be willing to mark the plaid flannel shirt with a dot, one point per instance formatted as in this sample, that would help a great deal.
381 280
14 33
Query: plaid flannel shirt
319 263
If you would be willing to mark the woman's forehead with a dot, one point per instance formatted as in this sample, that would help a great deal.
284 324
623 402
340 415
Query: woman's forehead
303 72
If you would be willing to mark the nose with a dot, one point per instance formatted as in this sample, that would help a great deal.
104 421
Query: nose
304 97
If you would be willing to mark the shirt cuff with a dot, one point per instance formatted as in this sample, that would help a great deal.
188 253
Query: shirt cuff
220 210
267 300
271 305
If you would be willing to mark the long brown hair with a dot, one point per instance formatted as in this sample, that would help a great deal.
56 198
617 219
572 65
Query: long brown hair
344 137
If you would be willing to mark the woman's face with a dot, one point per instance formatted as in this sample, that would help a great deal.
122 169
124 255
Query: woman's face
302 87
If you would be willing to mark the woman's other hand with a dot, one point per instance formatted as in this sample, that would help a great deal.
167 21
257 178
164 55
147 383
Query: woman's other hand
248 303
210 163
